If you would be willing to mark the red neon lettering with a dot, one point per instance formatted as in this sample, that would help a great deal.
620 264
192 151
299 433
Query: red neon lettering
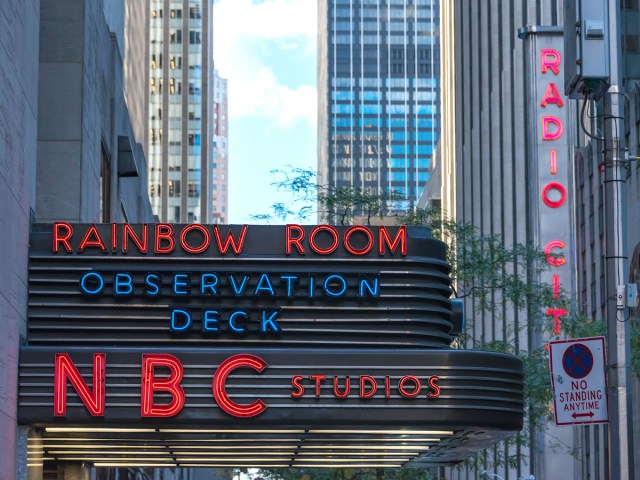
358 251
556 262
164 232
364 380
556 286
62 237
551 95
299 389
128 233
63 369
114 236
220 389
318 379
553 162
550 60
347 387
312 239
205 242
385 239
297 241
558 188
416 386
151 384
547 133
557 314
435 393
236 247
387 387
92 239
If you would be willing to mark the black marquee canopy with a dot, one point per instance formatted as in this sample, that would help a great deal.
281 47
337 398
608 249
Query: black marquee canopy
256 346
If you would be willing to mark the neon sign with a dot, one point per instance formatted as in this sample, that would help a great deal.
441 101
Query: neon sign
195 239
154 378
552 171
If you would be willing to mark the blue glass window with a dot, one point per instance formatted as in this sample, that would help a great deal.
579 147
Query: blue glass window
424 150
398 162
399 149
424 136
341 122
399 176
371 96
342 108
371 109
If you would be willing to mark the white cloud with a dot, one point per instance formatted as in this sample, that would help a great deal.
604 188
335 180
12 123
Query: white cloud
247 35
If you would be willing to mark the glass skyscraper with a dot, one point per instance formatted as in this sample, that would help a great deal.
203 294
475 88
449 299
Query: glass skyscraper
378 87
180 114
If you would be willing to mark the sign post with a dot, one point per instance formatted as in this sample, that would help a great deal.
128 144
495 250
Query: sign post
578 379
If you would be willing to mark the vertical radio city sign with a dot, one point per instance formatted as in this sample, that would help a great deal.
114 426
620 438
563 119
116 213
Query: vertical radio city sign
549 169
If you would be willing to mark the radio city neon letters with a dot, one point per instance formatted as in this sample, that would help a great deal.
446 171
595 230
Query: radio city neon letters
554 193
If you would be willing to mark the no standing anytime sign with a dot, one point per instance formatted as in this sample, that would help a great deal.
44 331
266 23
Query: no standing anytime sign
578 379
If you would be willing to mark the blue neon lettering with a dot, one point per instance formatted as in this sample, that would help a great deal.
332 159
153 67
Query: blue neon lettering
312 285
210 321
205 285
88 276
232 320
186 317
153 288
374 290
332 293
180 280
123 284
290 281
269 288
269 323
238 289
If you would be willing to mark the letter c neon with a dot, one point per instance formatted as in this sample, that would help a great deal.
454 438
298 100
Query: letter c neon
220 388
556 262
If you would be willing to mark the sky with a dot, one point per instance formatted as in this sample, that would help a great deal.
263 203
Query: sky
266 49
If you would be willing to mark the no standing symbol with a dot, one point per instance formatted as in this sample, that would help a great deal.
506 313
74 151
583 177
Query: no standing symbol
577 361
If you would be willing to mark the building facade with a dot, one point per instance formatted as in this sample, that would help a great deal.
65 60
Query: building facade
68 153
485 182
180 114
378 95
220 162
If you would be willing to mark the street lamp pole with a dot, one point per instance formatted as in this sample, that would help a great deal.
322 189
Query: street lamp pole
620 431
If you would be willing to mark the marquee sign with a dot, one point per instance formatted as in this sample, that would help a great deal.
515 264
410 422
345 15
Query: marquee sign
188 329
191 284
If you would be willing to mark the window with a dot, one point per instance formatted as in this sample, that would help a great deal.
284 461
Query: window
194 139
175 36
175 62
176 13
194 190
194 12
174 189
194 37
